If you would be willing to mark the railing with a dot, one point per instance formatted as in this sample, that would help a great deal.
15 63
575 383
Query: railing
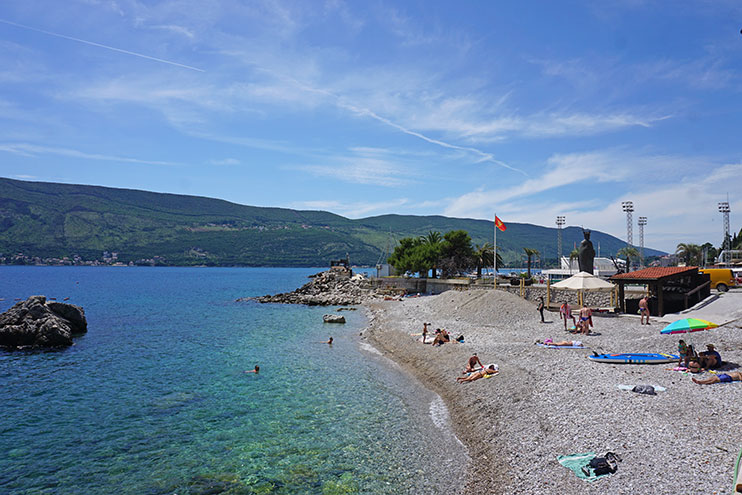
697 289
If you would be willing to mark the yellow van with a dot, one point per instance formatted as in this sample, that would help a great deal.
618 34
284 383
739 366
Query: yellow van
721 278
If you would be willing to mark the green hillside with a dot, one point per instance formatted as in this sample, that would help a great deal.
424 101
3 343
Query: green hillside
56 220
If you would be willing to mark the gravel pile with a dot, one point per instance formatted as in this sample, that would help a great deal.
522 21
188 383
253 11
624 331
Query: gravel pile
546 403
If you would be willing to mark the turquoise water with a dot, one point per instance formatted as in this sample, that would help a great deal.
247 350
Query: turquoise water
154 398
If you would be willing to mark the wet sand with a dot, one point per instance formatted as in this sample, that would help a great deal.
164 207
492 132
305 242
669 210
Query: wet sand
546 403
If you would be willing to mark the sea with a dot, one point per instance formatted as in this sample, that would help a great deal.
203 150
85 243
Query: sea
154 399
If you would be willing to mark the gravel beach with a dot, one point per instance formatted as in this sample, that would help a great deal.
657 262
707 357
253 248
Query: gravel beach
550 402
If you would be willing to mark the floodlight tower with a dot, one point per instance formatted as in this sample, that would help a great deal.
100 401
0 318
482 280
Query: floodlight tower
628 207
724 209
560 223
642 222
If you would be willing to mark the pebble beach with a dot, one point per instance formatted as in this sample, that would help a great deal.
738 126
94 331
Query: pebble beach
550 402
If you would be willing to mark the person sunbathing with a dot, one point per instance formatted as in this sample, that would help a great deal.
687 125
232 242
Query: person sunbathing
489 370
561 343
732 376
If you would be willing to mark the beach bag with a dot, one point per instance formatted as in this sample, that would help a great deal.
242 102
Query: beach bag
644 389
599 466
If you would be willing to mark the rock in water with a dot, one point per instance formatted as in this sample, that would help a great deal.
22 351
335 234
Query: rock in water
333 319
35 323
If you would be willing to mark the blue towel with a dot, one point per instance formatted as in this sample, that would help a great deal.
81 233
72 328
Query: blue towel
575 462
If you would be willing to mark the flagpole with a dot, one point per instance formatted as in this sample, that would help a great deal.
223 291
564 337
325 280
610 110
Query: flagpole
494 252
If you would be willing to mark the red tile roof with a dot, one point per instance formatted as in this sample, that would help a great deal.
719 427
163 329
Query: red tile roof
654 273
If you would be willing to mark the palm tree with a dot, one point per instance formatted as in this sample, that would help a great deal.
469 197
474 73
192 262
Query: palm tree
629 252
433 240
689 253
483 257
530 253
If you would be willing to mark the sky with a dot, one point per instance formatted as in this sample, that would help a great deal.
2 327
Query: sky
465 109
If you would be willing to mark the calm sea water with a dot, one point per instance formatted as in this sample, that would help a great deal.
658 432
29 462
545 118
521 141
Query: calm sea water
154 398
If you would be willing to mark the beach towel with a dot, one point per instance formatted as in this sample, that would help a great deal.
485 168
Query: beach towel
549 346
575 463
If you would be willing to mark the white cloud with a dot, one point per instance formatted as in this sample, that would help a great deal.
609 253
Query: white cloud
225 161
678 197
353 209
31 150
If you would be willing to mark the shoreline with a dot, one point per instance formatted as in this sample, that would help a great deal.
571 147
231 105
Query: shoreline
546 403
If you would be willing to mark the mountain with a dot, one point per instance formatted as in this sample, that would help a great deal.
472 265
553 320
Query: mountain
50 220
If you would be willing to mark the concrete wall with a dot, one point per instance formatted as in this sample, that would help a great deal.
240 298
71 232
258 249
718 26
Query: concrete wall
396 285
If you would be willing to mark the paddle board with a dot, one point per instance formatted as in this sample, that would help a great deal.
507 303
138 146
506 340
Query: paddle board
635 358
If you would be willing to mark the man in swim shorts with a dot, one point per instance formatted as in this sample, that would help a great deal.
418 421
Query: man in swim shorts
732 376
474 363
586 320
644 309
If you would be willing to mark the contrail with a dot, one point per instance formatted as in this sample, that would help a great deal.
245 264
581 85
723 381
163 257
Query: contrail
127 52
342 103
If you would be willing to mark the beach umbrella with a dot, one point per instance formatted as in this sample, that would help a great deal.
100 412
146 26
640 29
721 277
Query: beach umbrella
583 281
687 325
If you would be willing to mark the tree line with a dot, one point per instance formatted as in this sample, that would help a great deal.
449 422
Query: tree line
696 254
451 253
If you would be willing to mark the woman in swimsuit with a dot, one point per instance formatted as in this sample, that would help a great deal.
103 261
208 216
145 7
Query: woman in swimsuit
562 343
489 370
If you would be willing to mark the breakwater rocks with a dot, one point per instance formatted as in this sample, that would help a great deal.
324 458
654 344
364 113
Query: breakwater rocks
36 323
330 288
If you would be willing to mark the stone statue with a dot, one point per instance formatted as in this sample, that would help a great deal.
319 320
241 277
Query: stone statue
587 253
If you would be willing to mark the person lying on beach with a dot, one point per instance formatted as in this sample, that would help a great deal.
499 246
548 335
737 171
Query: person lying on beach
561 343
489 370
256 370
473 364
732 376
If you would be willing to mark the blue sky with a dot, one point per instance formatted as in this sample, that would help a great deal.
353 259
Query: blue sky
530 110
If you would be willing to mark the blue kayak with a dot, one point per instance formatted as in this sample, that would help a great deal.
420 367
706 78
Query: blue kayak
635 358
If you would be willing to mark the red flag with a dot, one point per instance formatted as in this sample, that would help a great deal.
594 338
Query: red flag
499 224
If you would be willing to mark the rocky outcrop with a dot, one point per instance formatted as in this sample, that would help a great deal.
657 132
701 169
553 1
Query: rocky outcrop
330 288
333 319
36 323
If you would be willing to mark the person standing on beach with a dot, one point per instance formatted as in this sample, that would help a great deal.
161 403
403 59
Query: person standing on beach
644 309
540 308
586 319
425 331
565 311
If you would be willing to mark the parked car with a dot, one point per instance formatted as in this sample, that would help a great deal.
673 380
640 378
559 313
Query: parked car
721 278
